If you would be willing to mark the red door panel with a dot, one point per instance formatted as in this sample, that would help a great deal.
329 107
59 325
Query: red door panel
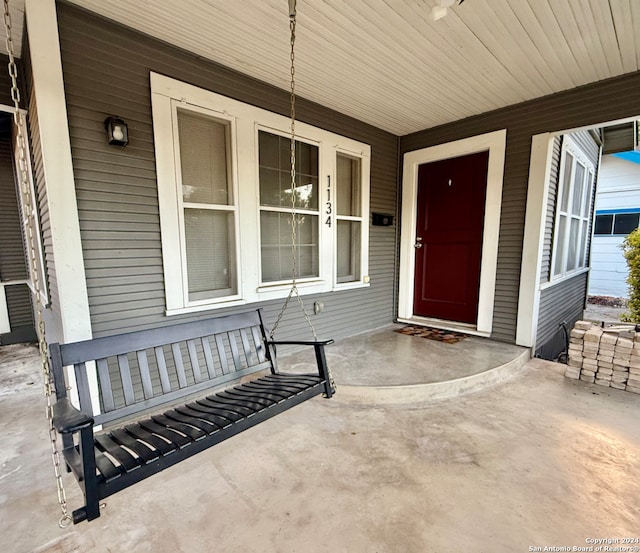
451 198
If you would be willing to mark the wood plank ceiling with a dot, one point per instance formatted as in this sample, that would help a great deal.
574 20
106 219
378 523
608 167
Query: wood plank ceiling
388 63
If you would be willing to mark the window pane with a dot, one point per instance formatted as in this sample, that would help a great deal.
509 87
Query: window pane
203 159
586 204
210 245
275 231
269 150
557 264
583 245
348 185
625 223
574 238
271 190
604 224
348 253
566 182
275 172
578 187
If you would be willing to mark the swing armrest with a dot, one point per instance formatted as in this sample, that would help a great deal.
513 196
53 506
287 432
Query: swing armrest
299 342
67 419
321 360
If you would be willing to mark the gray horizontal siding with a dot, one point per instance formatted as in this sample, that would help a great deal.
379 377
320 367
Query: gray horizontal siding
106 71
12 259
586 105
545 265
19 304
588 145
51 314
5 81
563 302
591 149
618 139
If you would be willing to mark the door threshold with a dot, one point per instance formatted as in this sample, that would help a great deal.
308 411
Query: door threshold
464 328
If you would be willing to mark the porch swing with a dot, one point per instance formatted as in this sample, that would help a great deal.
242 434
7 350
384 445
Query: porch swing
168 364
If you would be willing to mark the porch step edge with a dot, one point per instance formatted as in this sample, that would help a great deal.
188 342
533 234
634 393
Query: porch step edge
420 393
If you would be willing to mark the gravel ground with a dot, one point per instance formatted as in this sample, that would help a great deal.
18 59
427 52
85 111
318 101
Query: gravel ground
605 313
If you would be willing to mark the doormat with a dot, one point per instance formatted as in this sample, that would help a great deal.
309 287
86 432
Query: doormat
446 336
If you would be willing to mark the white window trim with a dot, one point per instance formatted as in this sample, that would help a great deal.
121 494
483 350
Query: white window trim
246 120
569 145
182 205
363 218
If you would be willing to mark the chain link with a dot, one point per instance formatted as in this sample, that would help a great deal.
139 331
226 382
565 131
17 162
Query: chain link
294 215
30 211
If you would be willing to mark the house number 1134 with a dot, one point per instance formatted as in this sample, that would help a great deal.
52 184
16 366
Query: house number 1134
329 208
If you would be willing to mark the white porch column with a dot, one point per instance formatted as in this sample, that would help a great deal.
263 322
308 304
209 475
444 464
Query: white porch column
535 218
48 87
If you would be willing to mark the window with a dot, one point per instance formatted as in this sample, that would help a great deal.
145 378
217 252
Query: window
348 218
276 211
225 192
603 224
573 210
208 211
619 223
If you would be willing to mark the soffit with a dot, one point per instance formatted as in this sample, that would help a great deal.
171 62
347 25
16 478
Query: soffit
386 62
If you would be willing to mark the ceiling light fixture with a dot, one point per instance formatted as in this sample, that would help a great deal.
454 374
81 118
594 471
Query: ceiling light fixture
441 9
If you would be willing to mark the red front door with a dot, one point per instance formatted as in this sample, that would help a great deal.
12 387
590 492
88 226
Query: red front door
450 219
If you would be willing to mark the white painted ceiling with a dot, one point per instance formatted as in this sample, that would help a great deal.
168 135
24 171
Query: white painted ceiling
388 63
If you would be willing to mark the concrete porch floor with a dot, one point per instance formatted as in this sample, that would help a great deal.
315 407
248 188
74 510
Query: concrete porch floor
387 367
534 461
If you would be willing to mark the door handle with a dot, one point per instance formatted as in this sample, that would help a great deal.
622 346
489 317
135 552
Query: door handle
418 243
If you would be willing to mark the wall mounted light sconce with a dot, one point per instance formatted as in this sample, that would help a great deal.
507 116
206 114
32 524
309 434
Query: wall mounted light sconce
117 131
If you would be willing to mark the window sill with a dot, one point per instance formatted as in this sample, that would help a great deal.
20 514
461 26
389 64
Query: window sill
350 286
560 280
204 307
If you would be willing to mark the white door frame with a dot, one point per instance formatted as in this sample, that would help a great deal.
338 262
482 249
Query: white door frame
495 142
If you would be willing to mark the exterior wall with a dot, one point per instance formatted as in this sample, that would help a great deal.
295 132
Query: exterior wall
106 72
592 150
564 301
12 259
545 266
583 106
561 303
51 313
5 81
618 188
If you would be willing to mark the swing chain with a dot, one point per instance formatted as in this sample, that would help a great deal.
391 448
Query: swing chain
294 214
30 235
